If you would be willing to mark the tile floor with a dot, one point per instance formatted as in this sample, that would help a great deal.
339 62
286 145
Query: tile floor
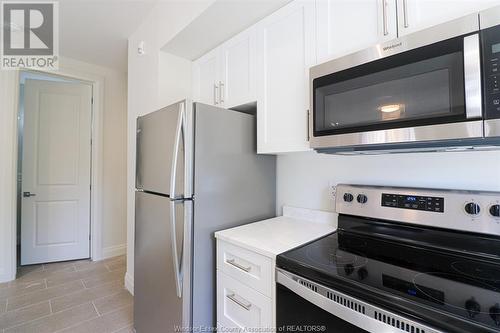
75 296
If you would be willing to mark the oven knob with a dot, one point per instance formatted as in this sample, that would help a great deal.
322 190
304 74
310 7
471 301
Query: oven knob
495 210
348 269
495 314
472 208
348 197
362 198
362 273
473 308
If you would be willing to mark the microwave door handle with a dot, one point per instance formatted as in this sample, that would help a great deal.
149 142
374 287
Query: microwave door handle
472 77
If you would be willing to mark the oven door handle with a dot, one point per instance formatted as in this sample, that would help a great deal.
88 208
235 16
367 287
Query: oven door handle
472 77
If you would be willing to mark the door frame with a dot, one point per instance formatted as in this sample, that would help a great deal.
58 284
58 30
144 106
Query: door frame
73 72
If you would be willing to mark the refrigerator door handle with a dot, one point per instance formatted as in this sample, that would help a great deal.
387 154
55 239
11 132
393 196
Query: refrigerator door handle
138 173
175 254
178 135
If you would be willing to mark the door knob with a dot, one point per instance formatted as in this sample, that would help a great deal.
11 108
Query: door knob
28 194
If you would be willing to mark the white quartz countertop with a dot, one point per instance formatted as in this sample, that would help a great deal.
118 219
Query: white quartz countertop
271 237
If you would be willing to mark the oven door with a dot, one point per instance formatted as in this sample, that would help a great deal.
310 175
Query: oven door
296 314
418 91
305 306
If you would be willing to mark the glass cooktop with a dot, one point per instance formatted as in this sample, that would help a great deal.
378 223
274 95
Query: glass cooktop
465 286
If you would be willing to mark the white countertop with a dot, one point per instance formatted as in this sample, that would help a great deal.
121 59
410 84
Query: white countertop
271 237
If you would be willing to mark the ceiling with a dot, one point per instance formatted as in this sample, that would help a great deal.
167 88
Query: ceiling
96 31
218 23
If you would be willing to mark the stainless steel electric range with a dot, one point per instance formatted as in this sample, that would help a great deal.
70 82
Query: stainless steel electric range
402 260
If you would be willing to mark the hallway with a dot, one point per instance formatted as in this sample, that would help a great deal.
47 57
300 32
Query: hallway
75 296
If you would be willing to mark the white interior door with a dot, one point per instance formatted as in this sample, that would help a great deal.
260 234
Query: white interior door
55 220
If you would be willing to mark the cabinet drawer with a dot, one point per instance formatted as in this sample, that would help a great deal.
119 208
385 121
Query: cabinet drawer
246 266
239 306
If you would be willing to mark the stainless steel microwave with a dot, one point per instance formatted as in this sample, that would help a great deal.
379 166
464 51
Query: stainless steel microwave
431 90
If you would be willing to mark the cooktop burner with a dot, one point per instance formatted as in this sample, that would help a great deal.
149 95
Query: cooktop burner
468 289
485 272
329 256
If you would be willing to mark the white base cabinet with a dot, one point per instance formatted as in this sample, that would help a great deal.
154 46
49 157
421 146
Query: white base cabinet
245 288
246 265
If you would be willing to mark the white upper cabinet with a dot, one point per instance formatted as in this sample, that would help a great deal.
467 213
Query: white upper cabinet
414 15
286 48
225 76
346 26
239 61
206 73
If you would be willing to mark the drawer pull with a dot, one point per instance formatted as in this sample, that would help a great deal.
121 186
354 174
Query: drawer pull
233 298
235 264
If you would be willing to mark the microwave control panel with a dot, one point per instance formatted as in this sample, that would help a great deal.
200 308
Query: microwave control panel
491 71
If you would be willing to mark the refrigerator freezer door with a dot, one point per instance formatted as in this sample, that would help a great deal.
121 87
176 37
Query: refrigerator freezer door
157 305
164 151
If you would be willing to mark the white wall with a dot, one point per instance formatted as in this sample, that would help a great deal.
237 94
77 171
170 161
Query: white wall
174 79
155 79
114 122
8 127
114 196
304 179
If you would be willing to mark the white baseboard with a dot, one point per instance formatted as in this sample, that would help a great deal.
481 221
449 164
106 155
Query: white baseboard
114 251
6 278
129 283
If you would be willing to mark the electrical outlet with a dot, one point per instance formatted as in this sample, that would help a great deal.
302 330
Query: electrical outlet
332 187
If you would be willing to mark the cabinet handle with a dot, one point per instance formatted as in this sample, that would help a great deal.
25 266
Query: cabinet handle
384 17
233 298
405 13
235 264
215 94
221 92
308 122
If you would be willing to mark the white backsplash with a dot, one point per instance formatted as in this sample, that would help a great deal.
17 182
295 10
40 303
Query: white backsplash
305 179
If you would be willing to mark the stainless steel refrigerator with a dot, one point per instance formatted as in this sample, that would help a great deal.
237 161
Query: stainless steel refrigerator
197 172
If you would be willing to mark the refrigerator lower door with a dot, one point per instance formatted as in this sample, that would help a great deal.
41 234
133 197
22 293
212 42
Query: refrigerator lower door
162 299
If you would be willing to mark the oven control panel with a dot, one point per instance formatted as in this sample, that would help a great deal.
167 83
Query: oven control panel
406 201
472 211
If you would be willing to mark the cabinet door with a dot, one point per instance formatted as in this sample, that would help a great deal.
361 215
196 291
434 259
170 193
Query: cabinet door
346 26
206 78
239 58
286 50
414 15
